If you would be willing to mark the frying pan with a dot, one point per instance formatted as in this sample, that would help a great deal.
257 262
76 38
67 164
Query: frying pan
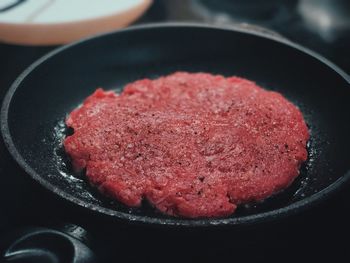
36 105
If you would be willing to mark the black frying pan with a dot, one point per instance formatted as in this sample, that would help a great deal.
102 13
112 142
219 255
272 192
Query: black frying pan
37 103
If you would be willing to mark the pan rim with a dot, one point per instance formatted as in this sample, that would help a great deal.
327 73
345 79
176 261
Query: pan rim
243 220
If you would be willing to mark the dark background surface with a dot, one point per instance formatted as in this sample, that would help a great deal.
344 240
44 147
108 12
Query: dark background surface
317 234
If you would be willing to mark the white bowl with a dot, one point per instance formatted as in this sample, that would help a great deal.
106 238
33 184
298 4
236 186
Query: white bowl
53 22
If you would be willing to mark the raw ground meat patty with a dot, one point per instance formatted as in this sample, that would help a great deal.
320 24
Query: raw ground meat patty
193 145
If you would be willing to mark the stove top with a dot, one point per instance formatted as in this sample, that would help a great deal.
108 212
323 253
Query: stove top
315 234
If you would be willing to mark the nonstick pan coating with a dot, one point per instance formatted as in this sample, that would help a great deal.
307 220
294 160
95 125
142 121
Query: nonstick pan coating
40 99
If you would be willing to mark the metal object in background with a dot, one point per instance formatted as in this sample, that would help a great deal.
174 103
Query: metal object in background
330 19
252 11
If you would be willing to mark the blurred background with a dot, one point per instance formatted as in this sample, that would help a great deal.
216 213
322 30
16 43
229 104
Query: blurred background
322 25
30 28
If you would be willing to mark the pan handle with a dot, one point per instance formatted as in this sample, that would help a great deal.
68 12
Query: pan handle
48 245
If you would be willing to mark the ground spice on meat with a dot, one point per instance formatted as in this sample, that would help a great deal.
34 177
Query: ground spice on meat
192 144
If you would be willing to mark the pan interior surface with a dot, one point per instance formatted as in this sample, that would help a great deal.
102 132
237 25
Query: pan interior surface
34 111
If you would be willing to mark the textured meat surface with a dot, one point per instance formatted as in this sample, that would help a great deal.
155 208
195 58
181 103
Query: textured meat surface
192 144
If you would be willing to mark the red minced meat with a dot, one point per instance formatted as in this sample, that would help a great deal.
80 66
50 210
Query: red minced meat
192 144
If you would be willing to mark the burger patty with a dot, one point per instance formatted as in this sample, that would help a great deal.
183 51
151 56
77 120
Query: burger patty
192 144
